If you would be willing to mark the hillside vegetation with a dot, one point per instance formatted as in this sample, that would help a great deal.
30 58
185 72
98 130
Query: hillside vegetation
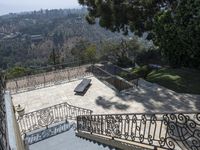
30 39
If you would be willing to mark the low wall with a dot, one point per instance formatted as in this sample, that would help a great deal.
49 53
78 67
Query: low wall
14 136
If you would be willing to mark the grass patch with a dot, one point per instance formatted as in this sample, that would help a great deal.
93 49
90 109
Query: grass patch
179 80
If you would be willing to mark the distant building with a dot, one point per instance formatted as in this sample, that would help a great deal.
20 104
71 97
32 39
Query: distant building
2 35
36 38
12 36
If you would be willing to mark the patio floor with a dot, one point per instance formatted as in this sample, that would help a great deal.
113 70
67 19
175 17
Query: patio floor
102 99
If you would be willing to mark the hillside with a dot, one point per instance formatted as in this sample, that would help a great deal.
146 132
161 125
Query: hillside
27 39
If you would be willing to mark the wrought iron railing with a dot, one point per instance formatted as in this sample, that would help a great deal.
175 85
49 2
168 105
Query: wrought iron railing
168 130
49 116
4 143
47 79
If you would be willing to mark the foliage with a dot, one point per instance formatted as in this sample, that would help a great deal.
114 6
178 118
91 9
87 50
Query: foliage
78 51
179 80
54 57
128 76
173 25
58 42
123 54
150 56
60 29
142 72
17 72
90 53
124 62
177 34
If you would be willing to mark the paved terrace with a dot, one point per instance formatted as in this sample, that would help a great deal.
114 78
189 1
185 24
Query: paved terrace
102 99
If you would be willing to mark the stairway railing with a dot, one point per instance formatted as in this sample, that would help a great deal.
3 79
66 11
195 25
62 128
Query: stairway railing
49 116
161 130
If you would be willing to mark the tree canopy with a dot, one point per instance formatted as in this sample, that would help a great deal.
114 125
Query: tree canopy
173 25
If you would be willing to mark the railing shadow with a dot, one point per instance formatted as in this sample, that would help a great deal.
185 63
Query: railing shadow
107 104
43 134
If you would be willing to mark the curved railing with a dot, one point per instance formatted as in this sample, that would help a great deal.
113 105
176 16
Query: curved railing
49 116
162 130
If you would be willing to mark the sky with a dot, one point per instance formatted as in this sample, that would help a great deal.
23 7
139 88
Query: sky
14 6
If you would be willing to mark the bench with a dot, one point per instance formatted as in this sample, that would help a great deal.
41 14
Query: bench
81 88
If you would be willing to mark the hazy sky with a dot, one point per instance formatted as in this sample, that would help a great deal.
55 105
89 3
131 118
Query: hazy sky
13 6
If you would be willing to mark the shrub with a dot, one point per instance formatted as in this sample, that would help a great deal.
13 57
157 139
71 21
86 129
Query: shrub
124 62
142 72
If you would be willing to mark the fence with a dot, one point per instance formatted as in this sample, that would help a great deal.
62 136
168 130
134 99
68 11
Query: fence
168 131
47 79
49 116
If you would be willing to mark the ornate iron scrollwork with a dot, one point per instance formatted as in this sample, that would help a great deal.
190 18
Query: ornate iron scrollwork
48 116
184 131
45 118
171 130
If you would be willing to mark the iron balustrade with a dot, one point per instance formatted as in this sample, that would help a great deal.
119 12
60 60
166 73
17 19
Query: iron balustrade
49 116
46 79
172 131
41 80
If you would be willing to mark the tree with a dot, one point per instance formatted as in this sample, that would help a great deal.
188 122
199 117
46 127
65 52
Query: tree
54 57
78 51
173 25
123 53
90 53
58 42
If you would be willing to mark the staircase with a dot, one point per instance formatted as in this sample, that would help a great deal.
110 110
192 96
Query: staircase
63 126
65 140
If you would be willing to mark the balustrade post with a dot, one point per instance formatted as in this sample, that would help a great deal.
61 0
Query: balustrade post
68 73
90 124
77 121
44 79
16 86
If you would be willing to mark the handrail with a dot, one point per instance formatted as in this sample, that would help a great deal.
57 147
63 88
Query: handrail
172 131
48 116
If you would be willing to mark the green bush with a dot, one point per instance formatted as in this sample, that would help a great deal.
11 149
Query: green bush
128 76
124 62
17 72
142 72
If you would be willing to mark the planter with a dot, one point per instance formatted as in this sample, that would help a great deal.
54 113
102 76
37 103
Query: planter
20 110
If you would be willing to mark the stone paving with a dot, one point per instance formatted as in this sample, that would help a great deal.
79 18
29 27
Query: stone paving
101 99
